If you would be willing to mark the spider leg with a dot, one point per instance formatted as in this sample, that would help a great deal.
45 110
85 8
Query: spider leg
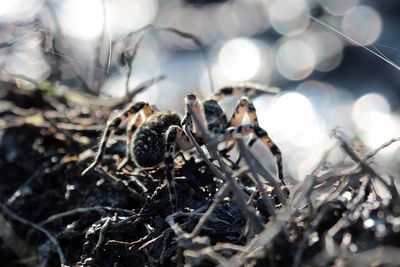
261 134
112 125
131 127
243 106
130 130
175 139
209 112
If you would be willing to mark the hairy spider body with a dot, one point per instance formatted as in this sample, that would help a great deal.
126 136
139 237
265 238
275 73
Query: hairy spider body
148 142
155 137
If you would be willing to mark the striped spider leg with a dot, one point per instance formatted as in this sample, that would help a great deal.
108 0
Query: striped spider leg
218 124
113 125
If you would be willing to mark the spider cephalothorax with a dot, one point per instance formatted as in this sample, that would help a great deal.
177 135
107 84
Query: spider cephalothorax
155 137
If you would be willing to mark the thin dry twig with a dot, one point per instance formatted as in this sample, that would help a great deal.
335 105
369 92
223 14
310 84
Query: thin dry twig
76 211
39 228
127 58
377 150
260 187
102 233
364 166
252 161
256 225
219 196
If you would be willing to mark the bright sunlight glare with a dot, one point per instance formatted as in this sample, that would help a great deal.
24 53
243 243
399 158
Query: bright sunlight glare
21 10
240 59
378 128
371 102
293 119
6 7
82 19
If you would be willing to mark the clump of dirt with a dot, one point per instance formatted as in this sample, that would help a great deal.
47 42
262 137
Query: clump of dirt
52 215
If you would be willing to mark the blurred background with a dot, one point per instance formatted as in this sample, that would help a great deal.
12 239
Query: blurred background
333 60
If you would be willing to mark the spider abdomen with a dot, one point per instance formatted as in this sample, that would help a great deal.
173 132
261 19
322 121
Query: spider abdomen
148 145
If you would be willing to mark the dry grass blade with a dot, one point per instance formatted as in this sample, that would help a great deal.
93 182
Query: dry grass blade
377 150
364 165
255 224
260 186
217 199
252 161
126 59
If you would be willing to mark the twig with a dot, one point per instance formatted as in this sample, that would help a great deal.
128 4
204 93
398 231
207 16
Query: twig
260 187
219 196
252 161
128 61
102 233
364 166
166 231
39 228
377 150
106 26
76 211
25 187
249 212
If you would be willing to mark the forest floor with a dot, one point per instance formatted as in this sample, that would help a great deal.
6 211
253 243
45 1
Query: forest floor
51 214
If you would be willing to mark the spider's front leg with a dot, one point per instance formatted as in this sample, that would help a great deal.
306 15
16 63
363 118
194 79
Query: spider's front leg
175 140
112 125
131 128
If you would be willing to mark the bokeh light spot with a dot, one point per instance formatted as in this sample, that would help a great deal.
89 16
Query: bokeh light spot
338 7
377 128
371 102
239 59
289 17
82 19
362 24
292 119
371 115
295 59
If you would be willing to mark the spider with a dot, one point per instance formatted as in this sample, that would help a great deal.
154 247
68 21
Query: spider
155 137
